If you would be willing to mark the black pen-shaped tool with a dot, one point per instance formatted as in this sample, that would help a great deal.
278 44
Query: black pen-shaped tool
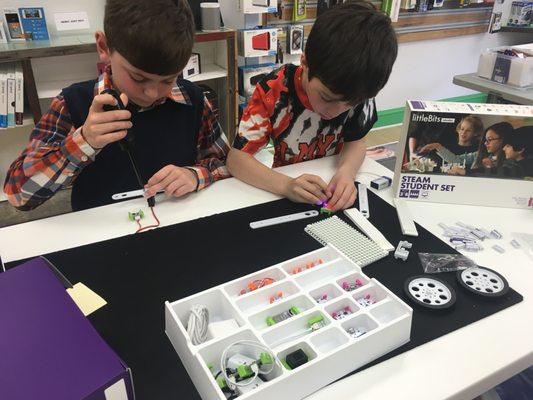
127 142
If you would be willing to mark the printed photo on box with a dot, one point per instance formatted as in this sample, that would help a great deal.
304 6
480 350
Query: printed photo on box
469 145
463 153
33 23
14 28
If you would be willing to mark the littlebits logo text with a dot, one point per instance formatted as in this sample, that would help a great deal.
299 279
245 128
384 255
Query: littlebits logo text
417 117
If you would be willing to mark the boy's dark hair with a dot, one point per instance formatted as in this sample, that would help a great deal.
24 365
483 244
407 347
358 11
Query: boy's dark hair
519 140
351 49
155 36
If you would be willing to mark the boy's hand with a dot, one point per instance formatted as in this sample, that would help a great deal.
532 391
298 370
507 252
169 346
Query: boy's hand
344 193
175 181
104 127
307 189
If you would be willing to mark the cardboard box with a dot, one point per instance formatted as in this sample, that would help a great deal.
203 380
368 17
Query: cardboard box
250 75
480 173
258 42
496 65
258 6
193 66
295 39
49 349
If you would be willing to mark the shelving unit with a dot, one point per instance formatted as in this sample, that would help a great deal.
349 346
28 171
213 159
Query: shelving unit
223 67
450 20
219 71
521 29
332 351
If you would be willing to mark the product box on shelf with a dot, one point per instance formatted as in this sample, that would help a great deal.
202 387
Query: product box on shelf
312 319
193 66
508 65
258 6
258 42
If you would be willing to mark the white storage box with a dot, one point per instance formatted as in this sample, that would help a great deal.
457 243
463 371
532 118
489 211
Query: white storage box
506 69
332 352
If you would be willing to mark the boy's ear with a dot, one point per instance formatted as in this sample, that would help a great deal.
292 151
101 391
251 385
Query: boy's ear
101 47
303 61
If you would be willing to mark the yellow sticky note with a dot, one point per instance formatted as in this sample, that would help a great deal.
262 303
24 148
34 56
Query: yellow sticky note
85 298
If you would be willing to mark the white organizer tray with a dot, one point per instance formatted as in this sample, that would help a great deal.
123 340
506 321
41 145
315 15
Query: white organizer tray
332 352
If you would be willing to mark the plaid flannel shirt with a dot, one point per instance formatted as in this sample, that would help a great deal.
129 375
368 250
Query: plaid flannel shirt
57 152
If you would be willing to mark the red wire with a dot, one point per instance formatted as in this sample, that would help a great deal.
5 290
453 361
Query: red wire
142 229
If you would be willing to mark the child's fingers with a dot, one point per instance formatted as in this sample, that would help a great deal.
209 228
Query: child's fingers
339 189
314 189
102 129
317 181
101 100
173 186
111 116
182 190
124 98
160 175
351 200
104 140
306 196
344 199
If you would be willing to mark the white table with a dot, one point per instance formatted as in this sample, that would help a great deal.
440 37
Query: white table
460 365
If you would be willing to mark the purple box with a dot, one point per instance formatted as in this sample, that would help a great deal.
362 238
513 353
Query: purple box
48 349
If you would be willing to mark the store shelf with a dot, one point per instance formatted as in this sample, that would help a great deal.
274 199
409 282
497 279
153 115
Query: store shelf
26 121
521 29
210 71
50 89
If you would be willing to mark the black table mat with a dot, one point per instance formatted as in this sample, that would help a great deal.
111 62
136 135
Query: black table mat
137 273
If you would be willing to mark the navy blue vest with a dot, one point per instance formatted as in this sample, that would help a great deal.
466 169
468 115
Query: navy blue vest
166 134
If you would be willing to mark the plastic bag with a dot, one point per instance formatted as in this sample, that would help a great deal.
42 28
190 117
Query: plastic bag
435 263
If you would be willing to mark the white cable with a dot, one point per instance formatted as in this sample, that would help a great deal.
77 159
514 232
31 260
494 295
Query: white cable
197 324
250 343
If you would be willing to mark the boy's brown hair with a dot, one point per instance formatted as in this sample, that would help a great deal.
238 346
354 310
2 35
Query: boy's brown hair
155 36
351 49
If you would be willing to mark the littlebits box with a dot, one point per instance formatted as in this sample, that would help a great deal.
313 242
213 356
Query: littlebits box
258 42
193 66
48 348
466 153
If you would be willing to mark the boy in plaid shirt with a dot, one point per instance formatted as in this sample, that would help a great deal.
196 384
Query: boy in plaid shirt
178 143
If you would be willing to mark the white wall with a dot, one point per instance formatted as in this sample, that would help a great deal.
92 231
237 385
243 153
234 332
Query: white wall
425 70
